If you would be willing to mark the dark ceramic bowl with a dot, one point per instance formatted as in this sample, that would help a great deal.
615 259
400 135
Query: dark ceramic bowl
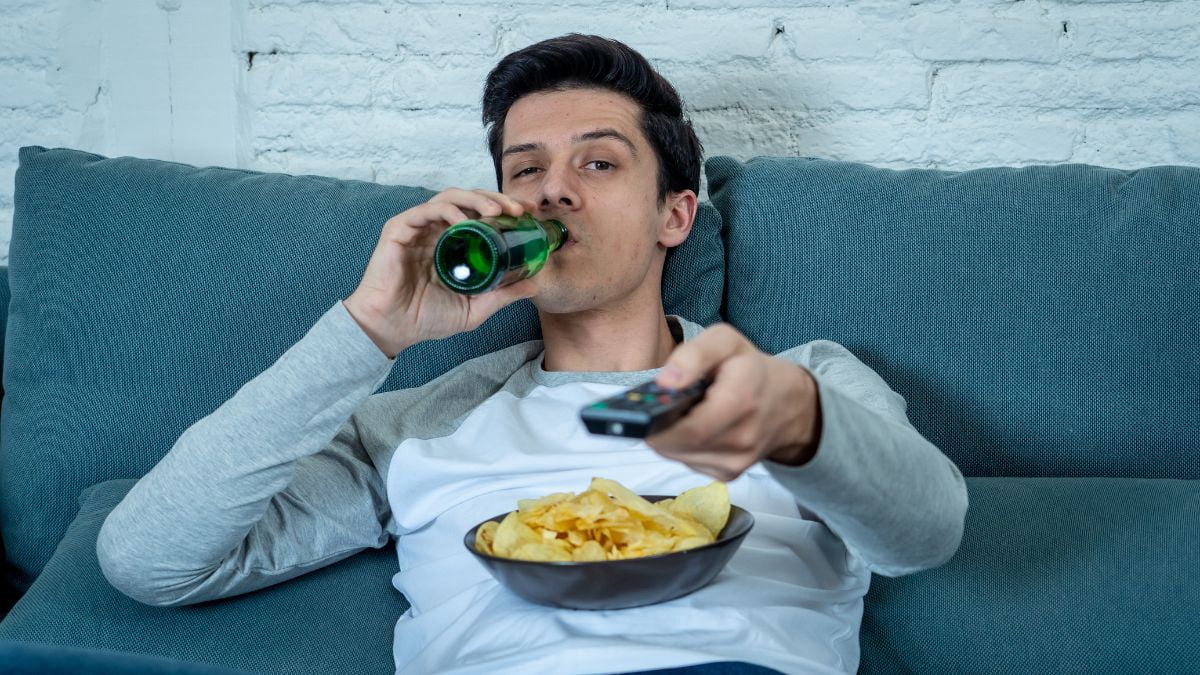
617 584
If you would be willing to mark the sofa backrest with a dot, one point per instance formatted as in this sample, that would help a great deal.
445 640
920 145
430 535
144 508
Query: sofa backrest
7 591
5 294
146 293
1040 321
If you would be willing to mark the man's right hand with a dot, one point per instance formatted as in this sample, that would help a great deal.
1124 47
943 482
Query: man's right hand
400 301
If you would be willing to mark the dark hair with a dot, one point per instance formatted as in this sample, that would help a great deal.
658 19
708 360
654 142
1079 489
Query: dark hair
581 61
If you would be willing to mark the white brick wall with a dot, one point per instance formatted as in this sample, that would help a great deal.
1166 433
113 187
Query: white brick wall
387 90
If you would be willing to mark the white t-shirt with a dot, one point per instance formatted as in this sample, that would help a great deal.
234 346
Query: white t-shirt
790 598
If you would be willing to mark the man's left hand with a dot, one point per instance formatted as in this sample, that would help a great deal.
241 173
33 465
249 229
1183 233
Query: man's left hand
758 406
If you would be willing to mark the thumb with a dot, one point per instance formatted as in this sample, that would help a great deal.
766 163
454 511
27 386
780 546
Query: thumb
672 376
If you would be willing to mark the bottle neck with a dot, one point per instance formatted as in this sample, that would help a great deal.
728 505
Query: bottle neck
557 232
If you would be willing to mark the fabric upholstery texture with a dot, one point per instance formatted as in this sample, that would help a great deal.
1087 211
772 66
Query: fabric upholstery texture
145 293
5 295
1054 575
335 620
28 658
8 592
1040 321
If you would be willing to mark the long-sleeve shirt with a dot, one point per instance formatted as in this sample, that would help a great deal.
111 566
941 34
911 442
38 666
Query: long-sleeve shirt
305 466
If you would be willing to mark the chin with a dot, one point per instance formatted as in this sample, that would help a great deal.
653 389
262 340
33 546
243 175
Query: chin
559 302
553 305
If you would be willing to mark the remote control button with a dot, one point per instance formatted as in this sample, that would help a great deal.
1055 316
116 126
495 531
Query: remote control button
633 396
600 406
664 399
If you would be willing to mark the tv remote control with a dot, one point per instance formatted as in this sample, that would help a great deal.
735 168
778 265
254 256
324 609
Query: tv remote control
643 410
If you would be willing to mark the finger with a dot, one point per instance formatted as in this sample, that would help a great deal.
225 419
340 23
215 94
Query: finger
689 435
715 416
722 409
451 214
414 229
730 447
475 200
699 428
510 205
697 357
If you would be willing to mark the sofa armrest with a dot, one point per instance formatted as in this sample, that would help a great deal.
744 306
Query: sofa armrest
1053 575
335 620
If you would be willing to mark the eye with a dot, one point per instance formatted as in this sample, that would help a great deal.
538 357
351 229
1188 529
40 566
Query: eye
601 165
525 171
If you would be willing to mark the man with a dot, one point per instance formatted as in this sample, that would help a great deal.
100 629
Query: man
304 467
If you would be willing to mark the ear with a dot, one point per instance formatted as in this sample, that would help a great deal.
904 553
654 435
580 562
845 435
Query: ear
680 211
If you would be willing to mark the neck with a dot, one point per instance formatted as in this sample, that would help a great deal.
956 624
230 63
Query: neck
607 339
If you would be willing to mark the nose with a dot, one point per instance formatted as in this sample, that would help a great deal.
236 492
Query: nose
559 190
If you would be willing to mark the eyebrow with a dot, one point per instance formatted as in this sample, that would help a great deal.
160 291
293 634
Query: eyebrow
578 138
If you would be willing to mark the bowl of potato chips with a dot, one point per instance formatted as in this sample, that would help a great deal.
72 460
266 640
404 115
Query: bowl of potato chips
609 548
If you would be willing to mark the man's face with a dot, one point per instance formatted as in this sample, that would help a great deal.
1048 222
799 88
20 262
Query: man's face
580 156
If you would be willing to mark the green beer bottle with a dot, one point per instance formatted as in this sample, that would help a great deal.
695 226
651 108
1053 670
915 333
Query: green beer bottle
475 256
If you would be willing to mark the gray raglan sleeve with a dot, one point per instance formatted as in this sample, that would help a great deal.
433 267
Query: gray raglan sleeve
272 484
896 501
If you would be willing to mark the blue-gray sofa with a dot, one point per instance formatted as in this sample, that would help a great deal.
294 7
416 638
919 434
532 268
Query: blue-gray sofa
1043 324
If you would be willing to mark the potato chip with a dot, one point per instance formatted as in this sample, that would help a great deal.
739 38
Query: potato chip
606 522
589 551
485 535
511 534
544 552
540 504
690 542
708 505
650 513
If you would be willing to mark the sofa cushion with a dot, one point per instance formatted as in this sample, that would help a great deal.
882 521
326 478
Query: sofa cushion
5 295
1054 575
335 620
145 293
1038 320
32 658
8 592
